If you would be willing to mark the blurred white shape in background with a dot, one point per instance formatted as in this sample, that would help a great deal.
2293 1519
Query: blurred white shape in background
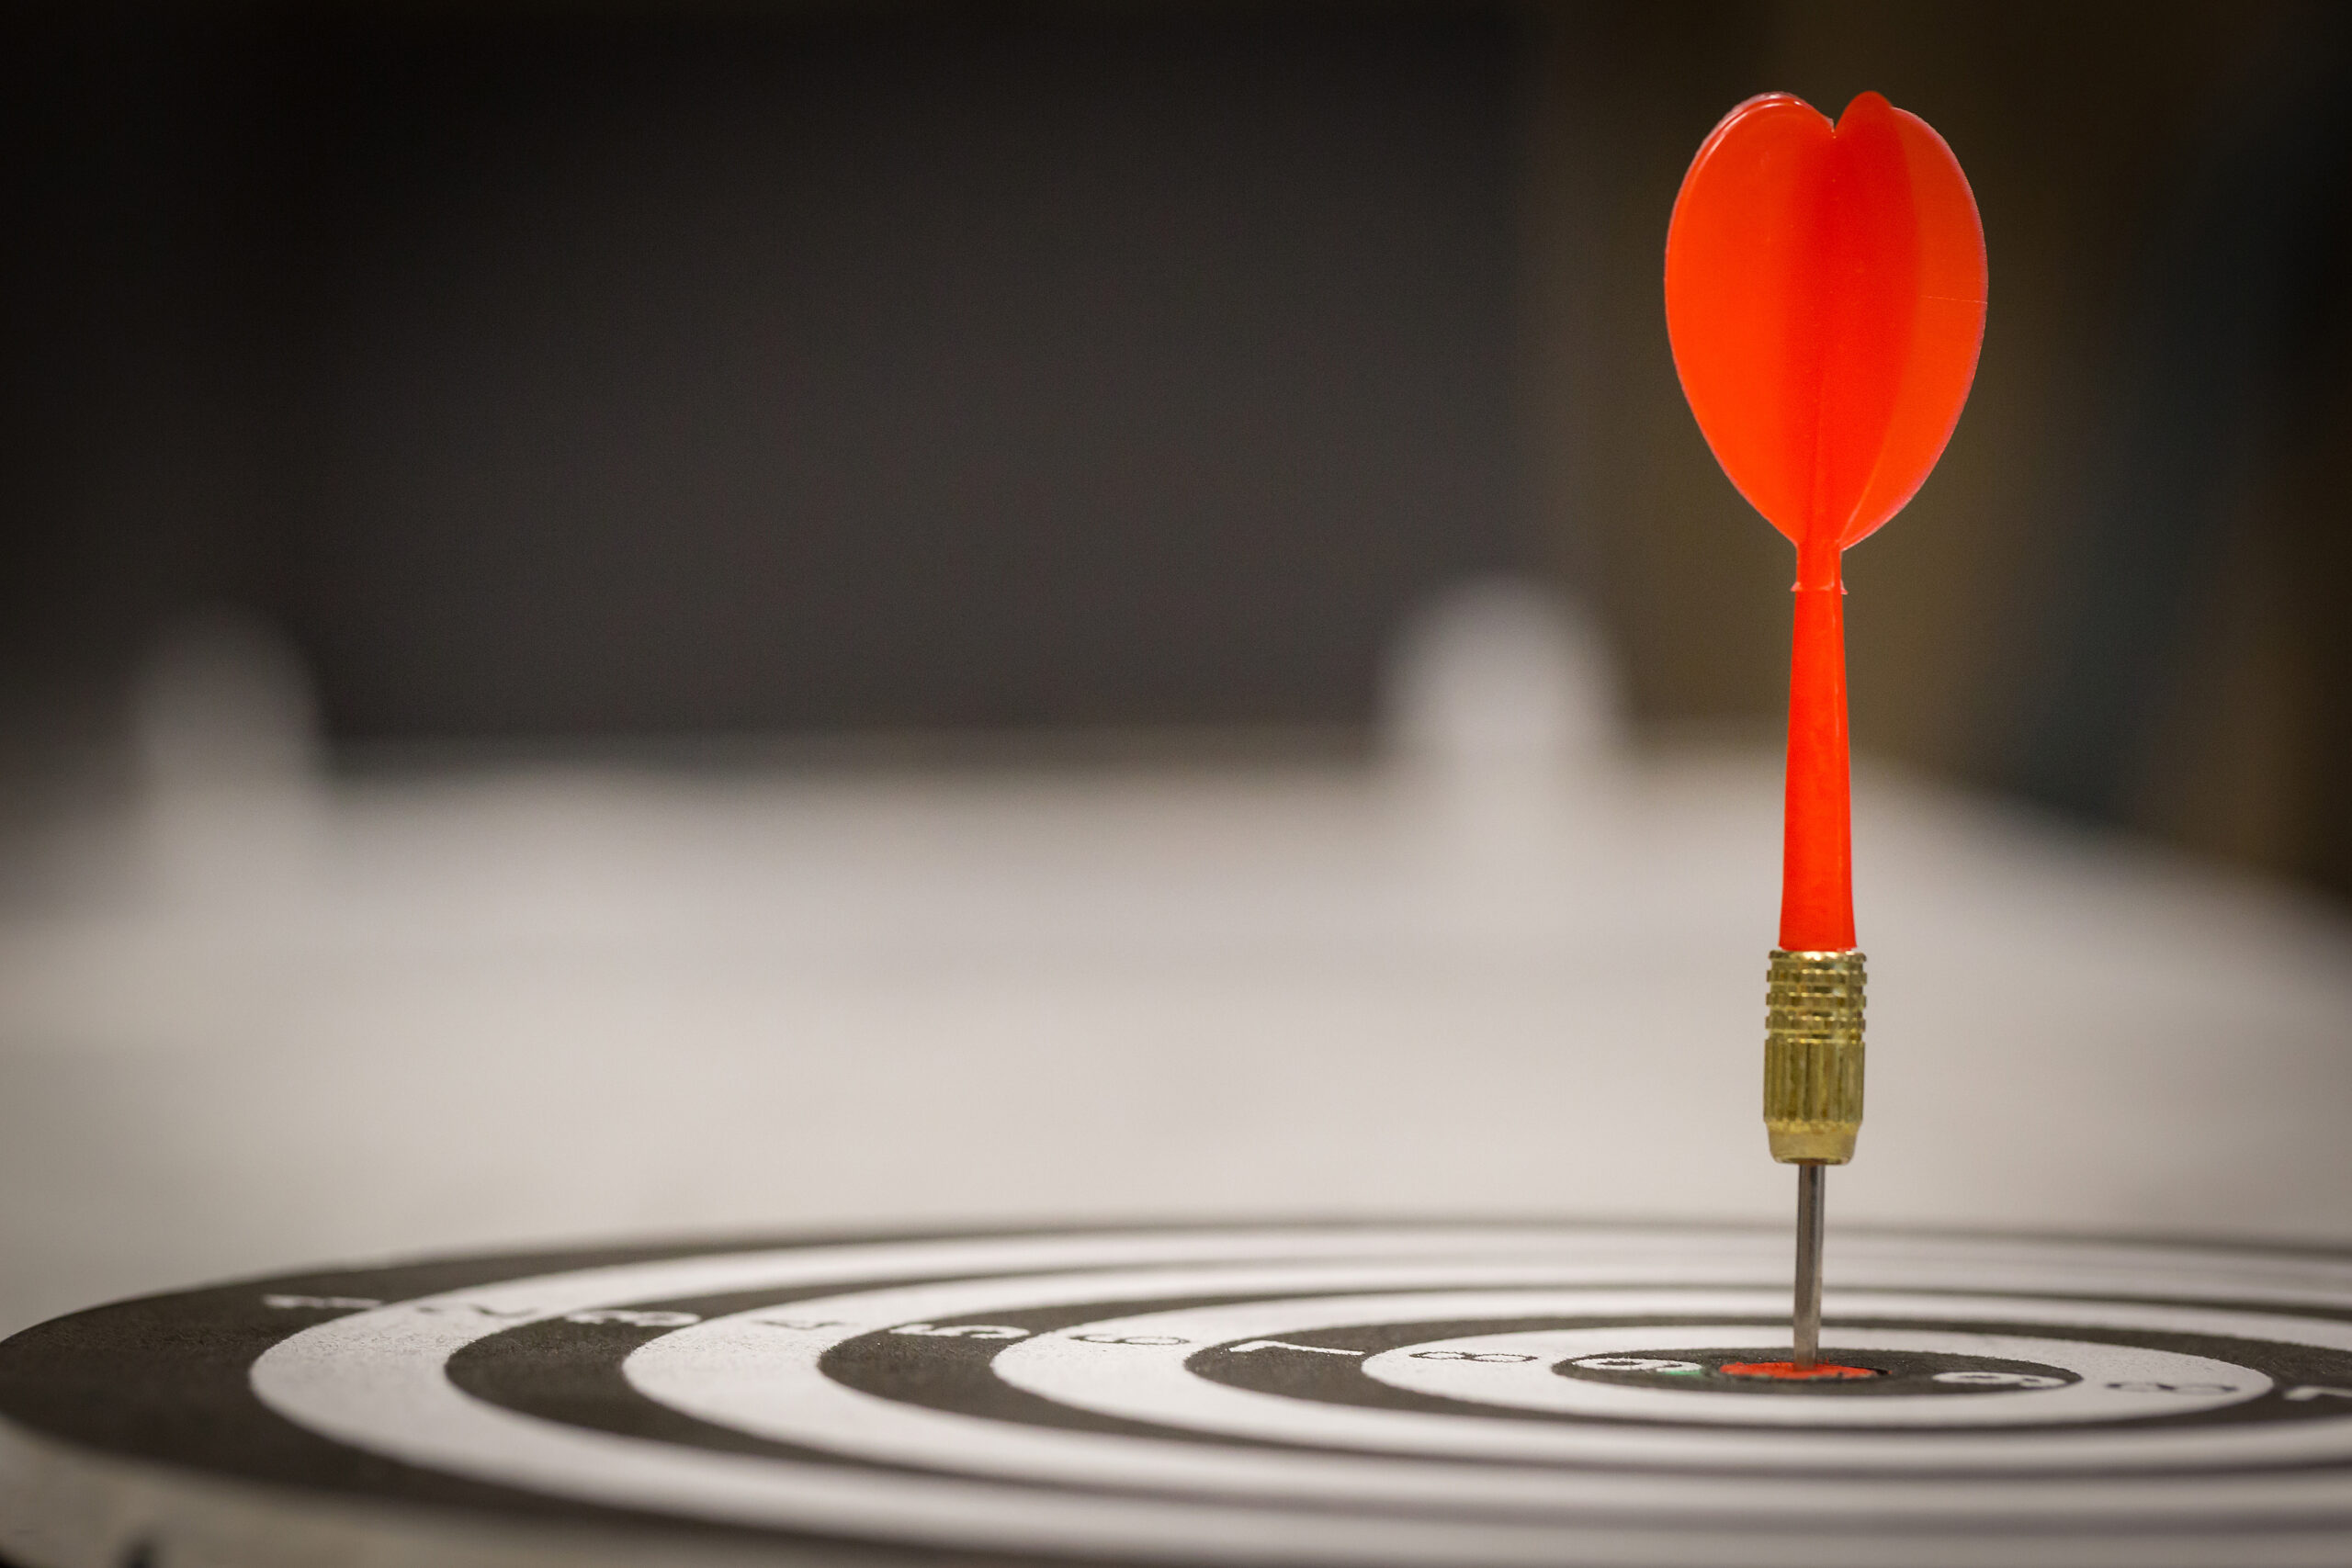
1501 674
225 728
1504 729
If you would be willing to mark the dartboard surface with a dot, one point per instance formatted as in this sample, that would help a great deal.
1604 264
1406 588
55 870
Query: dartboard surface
1408 1394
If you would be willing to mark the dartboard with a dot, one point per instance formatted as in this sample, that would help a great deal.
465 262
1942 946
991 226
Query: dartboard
1411 1394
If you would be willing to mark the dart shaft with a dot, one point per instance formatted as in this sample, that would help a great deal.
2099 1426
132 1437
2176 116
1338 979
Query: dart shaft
1804 1317
1818 848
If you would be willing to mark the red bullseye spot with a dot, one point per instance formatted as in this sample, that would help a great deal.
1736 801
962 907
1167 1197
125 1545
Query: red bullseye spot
1788 1371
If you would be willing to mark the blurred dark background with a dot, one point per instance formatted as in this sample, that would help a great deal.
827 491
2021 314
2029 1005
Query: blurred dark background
568 374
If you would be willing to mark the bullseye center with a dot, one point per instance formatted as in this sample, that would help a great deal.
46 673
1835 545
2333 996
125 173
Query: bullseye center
1848 1372
1788 1371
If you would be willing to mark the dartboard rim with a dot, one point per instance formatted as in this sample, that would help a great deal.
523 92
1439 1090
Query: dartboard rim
136 1452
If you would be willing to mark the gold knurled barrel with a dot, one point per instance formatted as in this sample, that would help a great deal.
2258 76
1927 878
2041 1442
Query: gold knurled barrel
1812 1055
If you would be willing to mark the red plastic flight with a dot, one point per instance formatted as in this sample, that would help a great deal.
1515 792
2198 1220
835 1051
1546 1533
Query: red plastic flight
1825 293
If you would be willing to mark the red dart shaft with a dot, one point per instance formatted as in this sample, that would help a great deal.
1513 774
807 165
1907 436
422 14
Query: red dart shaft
1818 854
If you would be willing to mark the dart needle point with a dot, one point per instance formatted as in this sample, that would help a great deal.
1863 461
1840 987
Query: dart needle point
1806 1316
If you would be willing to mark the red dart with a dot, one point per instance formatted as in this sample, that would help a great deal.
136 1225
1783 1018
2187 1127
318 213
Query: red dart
1825 293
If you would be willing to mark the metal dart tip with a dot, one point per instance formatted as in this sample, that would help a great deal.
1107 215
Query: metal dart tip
1805 1316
